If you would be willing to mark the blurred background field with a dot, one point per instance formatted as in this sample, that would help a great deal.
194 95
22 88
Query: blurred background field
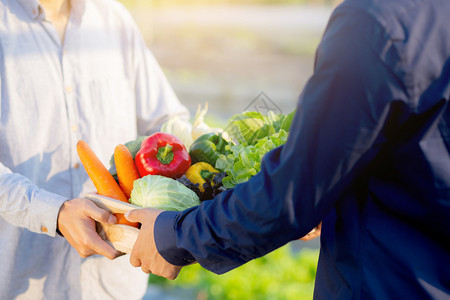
282 274
229 53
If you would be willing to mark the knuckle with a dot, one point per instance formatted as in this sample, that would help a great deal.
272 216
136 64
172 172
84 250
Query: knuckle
85 243
84 253
146 267
146 271
104 216
135 262
83 204
172 276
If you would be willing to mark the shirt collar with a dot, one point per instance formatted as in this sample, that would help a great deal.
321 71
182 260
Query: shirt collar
32 7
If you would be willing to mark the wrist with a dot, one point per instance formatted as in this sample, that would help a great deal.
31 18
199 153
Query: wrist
165 240
44 212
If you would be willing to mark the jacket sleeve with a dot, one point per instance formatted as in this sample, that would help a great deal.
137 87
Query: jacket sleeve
336 132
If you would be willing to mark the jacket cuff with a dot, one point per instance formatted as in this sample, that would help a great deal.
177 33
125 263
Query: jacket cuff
44 212
165 240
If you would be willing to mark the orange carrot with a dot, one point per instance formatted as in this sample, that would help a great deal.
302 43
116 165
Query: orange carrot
122 220
103 181
127 171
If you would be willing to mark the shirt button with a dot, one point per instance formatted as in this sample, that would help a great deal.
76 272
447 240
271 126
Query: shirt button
69 89
76 166
44 229
74 128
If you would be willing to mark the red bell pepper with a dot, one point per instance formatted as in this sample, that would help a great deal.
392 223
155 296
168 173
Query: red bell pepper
162 154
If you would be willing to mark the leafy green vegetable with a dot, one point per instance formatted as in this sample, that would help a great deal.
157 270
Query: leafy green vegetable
255 135
245 161
286 123
207 148
249 127
163 193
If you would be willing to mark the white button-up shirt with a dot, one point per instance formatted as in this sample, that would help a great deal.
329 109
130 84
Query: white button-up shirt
101 85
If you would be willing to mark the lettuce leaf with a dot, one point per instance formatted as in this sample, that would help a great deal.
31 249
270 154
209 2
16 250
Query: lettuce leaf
250 127
244 161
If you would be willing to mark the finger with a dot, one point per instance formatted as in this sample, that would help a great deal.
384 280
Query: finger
305 238
146 268
100 215
103 248
146 271
135 261
135 215
174 273
310 236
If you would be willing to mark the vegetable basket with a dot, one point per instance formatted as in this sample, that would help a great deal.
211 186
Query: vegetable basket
121 237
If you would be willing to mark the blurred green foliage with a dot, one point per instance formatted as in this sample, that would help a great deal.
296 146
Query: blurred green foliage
281 275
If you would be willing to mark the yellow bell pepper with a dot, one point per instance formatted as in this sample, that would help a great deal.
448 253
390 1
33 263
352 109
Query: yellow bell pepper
198 172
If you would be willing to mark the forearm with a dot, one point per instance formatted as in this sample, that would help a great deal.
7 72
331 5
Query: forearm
23 204
239 225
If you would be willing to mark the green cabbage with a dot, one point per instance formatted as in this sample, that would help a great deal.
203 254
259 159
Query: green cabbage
162 192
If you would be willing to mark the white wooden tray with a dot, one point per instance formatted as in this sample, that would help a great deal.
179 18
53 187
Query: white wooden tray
121 237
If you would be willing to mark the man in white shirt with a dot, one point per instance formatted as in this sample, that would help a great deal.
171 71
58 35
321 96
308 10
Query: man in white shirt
70 70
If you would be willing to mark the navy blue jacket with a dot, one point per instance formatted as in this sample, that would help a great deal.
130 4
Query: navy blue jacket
368 153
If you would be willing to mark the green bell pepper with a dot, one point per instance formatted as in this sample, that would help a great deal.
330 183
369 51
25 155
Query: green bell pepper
207 148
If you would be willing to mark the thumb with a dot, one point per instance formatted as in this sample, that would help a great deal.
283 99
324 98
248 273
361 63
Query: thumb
135 215
143 215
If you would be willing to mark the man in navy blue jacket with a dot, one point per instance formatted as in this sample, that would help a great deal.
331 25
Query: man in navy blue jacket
368 153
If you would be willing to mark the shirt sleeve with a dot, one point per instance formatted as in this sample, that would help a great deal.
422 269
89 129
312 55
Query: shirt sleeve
156 101
25 205
337 131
